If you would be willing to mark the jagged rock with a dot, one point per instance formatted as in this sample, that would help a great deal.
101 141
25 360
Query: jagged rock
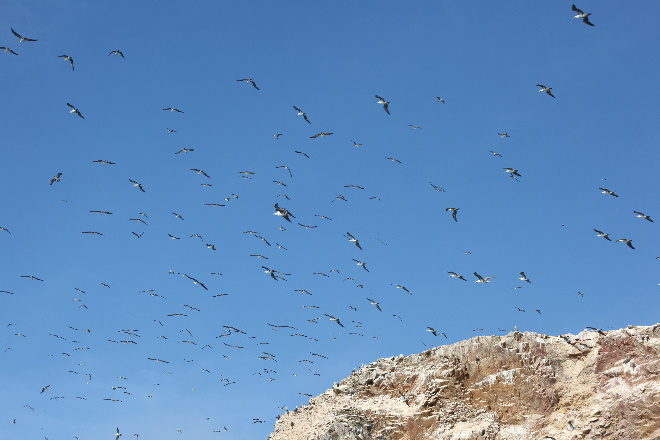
516 387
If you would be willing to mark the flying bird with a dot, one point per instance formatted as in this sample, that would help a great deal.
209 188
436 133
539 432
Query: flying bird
385 104
454 212
249 81
440 99
524 278
512 172
455 275
645 217
301 113
6 49
185 150
300 152
173 109
482 279
602 234
393 159
353 240
67 58
117 52
545 89
283 212
56 178
374 303
432 330
608 192
104 162
495 153
137 184
332 318
626 241
75 110
582 15
320 135
503 135
359 263
21 38
200 172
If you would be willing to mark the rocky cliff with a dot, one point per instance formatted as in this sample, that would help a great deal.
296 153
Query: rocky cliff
594 385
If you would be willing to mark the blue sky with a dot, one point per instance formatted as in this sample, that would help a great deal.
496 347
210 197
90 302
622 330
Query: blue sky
329 59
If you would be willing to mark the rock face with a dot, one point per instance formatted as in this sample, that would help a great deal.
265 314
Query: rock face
594 385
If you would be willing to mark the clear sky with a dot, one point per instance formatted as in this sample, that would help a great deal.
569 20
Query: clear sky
330 59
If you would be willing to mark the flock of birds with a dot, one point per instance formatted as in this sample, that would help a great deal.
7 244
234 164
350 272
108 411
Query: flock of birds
288 218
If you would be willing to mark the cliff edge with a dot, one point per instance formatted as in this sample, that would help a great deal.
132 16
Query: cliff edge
594 385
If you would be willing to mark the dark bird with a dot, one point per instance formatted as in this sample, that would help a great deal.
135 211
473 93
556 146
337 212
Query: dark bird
21 38
4 229
300 152
75 110
67 58
173 109
200 172
6 49
249 81
437 188
524 278
185 150
117 52
432 330
454 212
374 303
104 162
393 159
301 113
32 277
503 135
320 135
440 99
385 104
582 15
495 153
545 89
56 178
44 389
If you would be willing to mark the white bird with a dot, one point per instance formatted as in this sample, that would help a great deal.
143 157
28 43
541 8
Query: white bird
359 263
482 279
602 234
546 89
249 81
385 104
117 52
75 110
608 192
524 277
455 275
582 15
21 38
645 217
301 113
6 49
626 241
67 58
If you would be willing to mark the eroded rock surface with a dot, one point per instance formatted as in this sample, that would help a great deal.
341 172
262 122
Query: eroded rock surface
516 387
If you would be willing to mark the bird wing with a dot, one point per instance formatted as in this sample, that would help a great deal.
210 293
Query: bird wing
550 93
576 9
478 276
385 108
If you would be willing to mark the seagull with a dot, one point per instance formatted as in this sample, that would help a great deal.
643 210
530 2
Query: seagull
359 263
270 272
356 144
432 330
645 217
440 99
374 303
545 89
393 159
249 80
353 240
414 126
103 162
44 389
332 318
173 109
185 150
482 279
504 135
602 234
56 178
200 172
454 211
283 212
524 278
300 152
92 232
608 192
385 103
399 286
301 113
4 229
6 49
67 58
177 215
495 153
117 52
75 110
287 168
437 188
21 38
171 131
137 184
626 241
320 135
455 275
117 435
277 136
512 171
582 15
101 212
